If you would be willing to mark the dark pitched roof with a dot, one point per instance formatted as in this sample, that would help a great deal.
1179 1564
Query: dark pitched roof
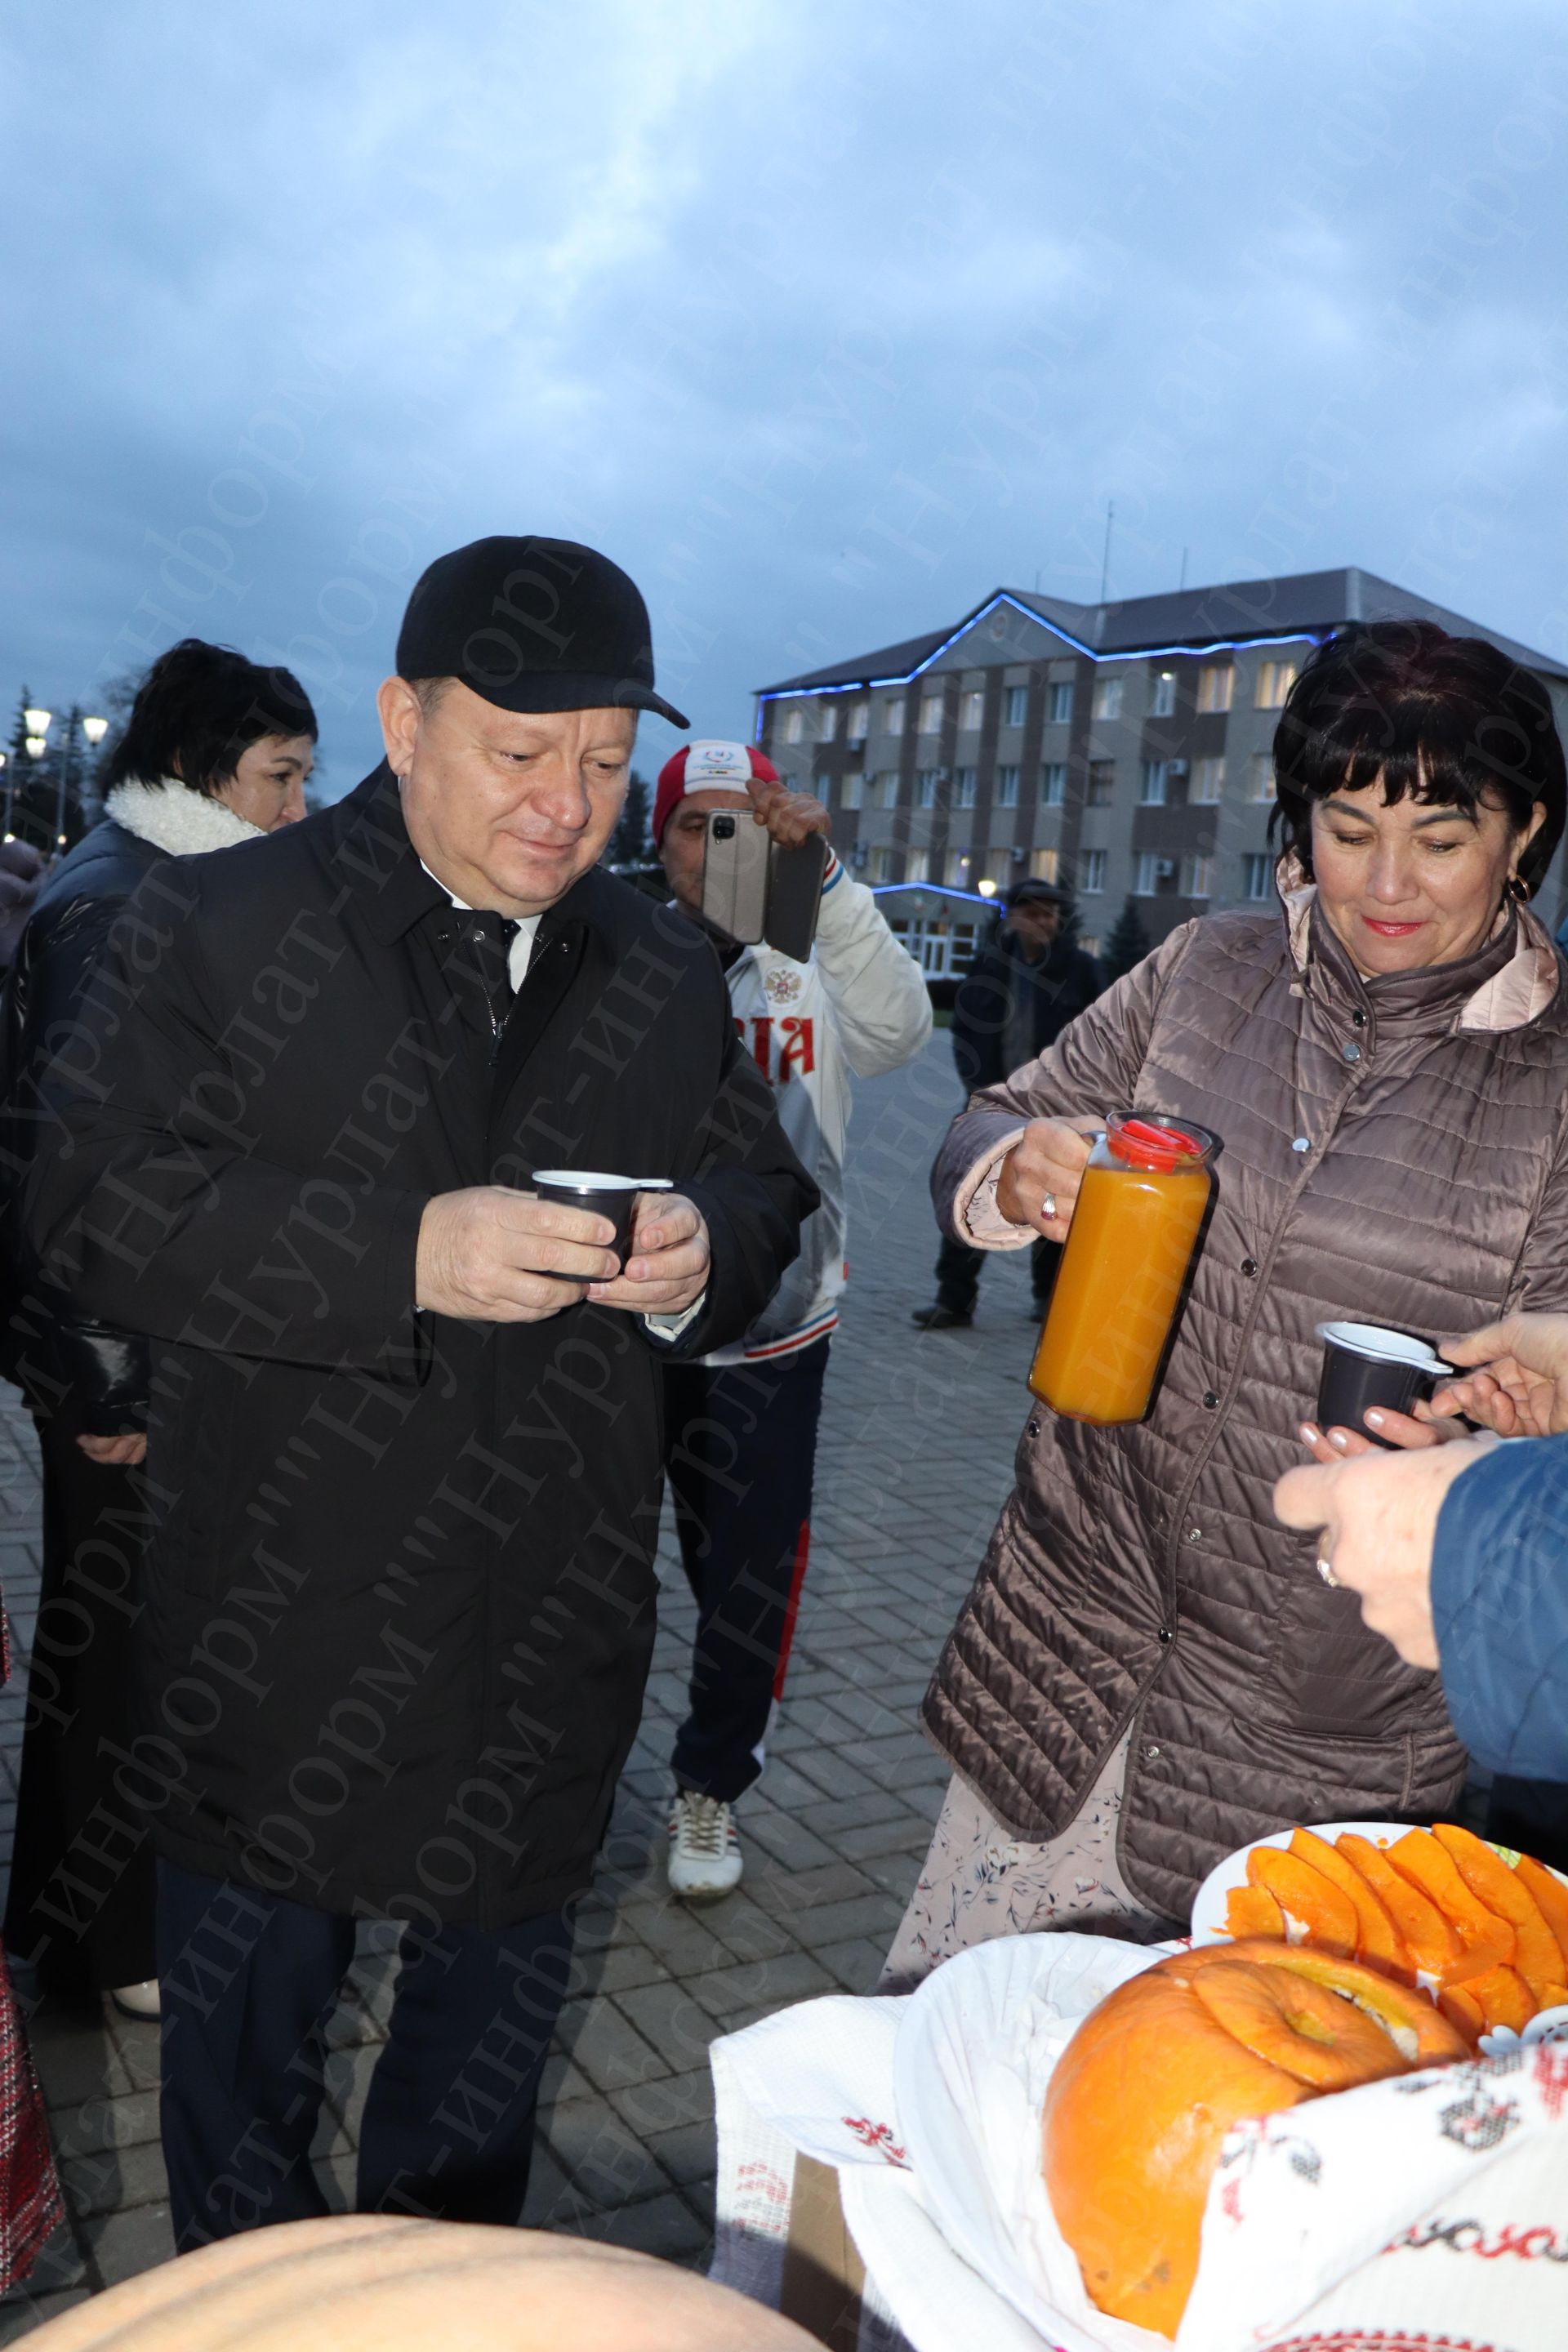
1299 605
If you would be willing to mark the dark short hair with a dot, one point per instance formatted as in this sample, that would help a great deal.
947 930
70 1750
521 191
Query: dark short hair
1454 721
198 709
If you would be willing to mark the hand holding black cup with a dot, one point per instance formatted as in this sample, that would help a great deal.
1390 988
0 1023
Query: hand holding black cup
615 1197
1366 1365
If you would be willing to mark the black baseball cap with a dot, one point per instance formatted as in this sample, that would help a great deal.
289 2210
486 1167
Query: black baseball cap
533 624
1033 890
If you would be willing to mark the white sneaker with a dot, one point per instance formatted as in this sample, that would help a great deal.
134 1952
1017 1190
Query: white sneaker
140 2001
704 1851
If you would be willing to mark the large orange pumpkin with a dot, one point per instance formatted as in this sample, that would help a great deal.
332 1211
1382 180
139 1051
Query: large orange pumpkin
1143 2095
362 2284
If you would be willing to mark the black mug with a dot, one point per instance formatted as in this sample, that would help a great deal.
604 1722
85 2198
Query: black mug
615 1197
1363 1364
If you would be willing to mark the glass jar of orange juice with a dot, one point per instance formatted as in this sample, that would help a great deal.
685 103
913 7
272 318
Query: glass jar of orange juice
1134 1233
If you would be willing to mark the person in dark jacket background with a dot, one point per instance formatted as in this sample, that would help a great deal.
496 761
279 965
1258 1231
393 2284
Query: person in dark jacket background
405 1444
1016 999
215 752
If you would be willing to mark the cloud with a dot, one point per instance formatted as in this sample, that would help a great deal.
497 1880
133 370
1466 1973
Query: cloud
821 320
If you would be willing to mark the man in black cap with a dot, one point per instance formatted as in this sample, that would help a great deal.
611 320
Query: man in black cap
406 1438
1016 999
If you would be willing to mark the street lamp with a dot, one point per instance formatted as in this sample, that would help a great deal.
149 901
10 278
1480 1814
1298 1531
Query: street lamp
95 729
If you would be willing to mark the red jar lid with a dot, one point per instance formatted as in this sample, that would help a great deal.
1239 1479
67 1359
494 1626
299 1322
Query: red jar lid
1144 1145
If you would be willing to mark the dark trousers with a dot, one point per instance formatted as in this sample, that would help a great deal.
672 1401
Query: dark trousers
250 1982
958 1274
740 1448
81 1898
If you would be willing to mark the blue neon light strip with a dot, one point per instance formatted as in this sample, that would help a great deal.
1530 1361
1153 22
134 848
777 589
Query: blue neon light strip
943 890
1134 653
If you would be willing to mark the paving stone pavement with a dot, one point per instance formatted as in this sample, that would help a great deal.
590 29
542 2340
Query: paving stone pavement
914 1459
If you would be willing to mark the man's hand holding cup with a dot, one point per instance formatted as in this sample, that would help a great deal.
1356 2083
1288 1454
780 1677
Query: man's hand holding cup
667 1271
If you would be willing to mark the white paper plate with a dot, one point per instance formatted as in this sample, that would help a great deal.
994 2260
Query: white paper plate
1209 1903
973 2056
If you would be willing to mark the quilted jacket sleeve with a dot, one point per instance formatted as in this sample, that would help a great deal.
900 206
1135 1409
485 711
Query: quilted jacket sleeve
1093 1068
1500 1602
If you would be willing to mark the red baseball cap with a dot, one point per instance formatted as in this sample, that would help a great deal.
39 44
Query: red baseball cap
707 766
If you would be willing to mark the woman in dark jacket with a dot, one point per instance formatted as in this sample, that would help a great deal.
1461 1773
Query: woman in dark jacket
215 754
1150 1673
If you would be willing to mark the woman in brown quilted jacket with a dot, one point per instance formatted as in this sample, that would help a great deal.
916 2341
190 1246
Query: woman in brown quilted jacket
1150 1671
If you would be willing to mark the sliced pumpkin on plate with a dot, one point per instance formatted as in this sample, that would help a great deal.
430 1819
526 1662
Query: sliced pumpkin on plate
1327 1917
1432 1944
1550 1894
1378 1941
1503 1998
1252 1911
1489 1942
1538 1957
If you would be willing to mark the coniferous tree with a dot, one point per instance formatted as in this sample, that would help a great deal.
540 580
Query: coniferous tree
1128 944
630 844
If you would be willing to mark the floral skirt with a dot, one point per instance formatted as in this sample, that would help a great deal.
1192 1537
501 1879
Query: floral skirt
977 1882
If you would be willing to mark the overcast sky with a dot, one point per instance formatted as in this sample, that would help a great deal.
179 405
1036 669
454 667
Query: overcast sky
823 317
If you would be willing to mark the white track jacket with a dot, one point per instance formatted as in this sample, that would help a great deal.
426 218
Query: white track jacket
859 1006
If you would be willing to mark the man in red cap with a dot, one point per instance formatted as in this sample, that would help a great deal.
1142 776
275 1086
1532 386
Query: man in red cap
741 1422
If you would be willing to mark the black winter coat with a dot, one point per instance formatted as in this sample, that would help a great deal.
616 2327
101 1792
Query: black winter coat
91 1377
1061 986
401 1600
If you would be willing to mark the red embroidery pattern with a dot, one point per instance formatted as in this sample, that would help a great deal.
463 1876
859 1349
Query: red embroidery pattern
1551 2072
1356 2339
878 2136
762 2180
1533 2244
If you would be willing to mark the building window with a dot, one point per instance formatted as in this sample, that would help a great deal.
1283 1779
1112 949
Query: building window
1090 942
1256 874
1059 702
1015 702
1209 782
852 788
1152 789
1156 875
860 719
1262 776
964 783
893 715
881 865
886 794
1101 782
1197 877
1045 864
1165 700
1275 680
917 866
1092 873
1214 682
1053 783
958 869
925 788
971 710
1005 794
931 715
827 727
1108 697
793 724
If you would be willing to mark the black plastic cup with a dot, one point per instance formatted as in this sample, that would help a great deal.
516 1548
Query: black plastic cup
1365 1365
615 1197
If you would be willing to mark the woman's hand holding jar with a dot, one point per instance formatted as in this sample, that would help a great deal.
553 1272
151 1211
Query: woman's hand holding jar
1040 1179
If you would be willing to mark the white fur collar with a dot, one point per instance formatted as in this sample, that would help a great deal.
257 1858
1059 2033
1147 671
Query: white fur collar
175 819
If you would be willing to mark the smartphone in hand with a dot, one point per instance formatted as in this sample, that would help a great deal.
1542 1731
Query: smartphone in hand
735 874
753 890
